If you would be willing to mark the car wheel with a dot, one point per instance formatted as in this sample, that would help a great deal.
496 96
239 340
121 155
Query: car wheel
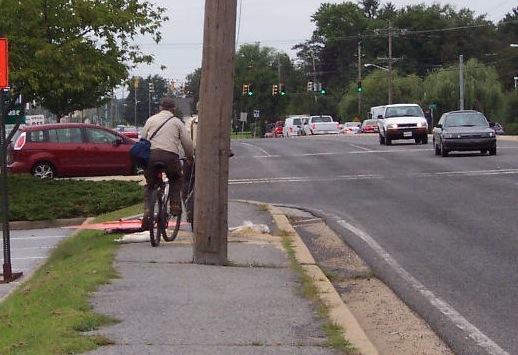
444 152
382 139
424 140
388 141
43 170
492 150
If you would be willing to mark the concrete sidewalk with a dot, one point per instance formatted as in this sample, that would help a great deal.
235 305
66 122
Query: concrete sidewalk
168 305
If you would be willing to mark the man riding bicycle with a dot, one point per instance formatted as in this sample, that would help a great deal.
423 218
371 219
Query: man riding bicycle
166 147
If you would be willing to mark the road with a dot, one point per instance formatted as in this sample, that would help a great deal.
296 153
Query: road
29 249
441 232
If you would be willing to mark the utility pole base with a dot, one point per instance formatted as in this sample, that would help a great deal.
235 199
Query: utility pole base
8 275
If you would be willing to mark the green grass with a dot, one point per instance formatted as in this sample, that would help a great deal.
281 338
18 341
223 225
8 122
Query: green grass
32 199
48 313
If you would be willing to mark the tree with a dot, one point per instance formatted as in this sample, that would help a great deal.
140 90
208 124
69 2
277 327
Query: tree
262 67
483 92
69 55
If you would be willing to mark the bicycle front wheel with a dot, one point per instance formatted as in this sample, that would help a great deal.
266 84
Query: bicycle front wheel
156 217
171 231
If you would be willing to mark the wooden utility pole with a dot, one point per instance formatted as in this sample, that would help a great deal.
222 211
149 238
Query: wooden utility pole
213 141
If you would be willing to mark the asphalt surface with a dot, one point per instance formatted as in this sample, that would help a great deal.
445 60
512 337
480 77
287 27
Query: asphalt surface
438 231
167 304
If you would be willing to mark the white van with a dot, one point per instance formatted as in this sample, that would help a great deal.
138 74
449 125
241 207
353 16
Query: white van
293 125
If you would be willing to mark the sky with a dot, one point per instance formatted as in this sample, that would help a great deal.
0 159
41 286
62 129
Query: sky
279 24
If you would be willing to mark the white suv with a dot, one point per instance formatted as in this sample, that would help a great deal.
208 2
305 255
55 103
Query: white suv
402 121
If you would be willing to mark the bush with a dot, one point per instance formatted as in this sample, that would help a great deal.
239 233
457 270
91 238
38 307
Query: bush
32 199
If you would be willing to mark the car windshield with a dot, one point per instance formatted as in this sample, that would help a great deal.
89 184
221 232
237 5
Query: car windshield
465 120
402 111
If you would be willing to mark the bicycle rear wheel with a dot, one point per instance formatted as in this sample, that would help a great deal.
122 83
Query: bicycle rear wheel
156 217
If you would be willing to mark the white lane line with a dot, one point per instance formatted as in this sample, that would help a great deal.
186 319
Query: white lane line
301 179
455 317
38 237
258 148
372 176
31 258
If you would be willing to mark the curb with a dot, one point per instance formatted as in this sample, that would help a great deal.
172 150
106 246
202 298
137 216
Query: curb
339 313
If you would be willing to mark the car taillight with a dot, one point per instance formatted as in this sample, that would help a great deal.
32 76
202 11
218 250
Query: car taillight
314 125
291 129
337 126
20 142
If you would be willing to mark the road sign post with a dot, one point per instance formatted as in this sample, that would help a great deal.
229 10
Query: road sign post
7 273
432 108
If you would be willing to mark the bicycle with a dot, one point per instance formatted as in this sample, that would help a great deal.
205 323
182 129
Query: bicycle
188 191
162 223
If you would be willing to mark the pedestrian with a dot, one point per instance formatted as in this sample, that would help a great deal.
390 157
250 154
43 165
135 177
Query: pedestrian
166 146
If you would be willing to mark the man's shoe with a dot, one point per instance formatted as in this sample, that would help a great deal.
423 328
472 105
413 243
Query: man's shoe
145 224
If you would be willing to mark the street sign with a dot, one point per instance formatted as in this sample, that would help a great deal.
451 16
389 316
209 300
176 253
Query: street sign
242 116
12 117
432 106
4 64
256 113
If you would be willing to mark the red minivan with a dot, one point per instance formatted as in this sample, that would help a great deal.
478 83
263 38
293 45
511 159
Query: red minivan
70 150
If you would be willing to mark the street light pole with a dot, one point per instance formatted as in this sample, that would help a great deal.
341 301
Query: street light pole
359 77
135 85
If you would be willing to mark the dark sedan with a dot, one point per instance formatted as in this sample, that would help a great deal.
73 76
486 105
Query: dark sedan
465 130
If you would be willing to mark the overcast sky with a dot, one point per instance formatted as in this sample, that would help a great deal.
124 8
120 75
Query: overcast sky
280 24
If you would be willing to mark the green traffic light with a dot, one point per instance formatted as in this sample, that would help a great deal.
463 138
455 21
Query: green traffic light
283 93
360 89
323 92
250 93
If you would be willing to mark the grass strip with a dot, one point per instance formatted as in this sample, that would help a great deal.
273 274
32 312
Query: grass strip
335 338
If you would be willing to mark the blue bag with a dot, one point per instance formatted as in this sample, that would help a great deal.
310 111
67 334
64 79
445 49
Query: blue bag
140 152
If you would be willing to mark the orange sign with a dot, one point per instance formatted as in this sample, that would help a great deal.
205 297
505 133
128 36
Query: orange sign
4 64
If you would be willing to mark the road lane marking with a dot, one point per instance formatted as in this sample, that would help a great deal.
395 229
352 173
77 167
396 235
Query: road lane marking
451 313
370 176
258 148
38 237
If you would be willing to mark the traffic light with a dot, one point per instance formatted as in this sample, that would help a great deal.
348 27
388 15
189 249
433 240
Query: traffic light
360 89
310 86
323 91
171 86
151 87
275 89
245 89
250 90
281 89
